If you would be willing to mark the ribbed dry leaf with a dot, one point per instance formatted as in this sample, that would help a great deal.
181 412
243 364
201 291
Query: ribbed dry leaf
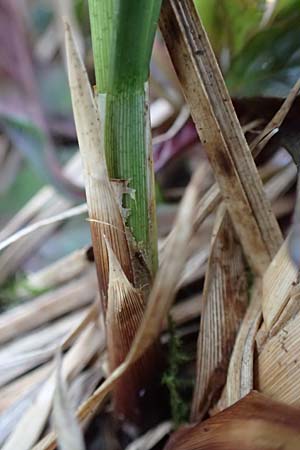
253 423
125 310
224 303
277 283
278 361
69 434
220 132
104 212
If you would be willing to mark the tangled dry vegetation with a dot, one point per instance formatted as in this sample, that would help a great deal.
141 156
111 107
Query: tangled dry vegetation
64 350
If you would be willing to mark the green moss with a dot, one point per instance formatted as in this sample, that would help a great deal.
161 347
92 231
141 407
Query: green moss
172 378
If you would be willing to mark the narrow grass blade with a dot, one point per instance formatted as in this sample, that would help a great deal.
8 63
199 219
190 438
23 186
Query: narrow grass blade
220 132
69 435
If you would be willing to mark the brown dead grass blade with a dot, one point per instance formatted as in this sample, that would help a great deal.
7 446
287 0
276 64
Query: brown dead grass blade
224 303
69 434
220 132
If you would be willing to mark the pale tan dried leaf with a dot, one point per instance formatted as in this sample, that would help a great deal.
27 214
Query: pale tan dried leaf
11 368
41 338
69 434
151 438
47 307
220 132
224 303
76 211
277 283
33 421
46 203
278 361
276 121
281 182
60 271
253 423
104 212
186 310
84 385
160 300
240 376
13 394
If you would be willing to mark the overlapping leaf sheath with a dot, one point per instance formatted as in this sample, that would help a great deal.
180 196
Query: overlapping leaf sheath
122 303
224 304
104 211
253 423
124 312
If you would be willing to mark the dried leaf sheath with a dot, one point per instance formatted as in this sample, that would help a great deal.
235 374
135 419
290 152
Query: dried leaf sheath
104 212
124 314
224 305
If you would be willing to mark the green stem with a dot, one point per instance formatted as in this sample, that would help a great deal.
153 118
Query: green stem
122 35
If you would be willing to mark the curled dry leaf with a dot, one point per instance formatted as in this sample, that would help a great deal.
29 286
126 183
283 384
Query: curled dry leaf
278 361
253 423
240 378
277 283
224 303
69 434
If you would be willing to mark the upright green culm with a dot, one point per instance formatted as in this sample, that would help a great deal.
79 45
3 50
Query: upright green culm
122 36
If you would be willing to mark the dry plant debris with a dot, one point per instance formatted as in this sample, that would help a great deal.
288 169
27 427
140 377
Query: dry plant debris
246 364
